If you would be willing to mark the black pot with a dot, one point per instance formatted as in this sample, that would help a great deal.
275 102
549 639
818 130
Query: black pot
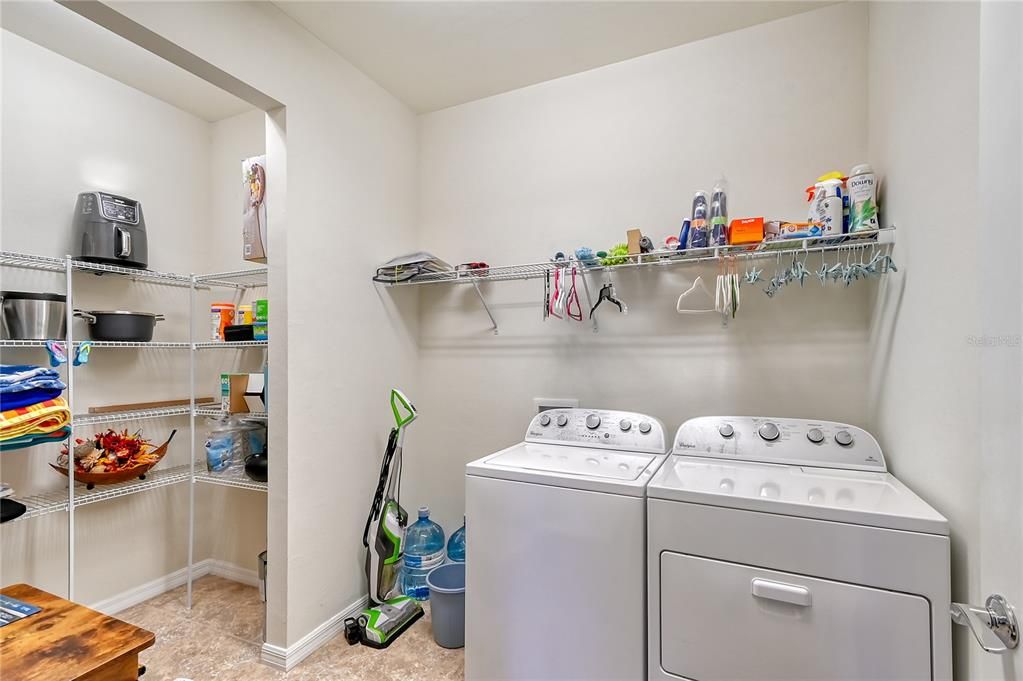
255 467
120 326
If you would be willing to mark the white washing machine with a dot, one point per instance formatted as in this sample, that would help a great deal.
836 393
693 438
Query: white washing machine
783 549
555 564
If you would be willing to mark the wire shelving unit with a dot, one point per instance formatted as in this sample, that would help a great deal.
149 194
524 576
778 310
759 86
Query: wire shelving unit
77 495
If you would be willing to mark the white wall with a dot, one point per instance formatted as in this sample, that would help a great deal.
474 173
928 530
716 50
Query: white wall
577 161
945 131
351 204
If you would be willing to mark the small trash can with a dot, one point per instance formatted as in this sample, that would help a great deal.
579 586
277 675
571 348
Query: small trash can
262 588
447 604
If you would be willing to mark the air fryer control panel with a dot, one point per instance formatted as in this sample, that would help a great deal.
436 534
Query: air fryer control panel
822 444
119 209
622 430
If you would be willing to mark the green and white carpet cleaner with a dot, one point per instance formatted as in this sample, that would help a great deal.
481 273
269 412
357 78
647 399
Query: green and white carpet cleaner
389 612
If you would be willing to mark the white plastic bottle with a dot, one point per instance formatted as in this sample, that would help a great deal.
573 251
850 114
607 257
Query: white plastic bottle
826 208
862 199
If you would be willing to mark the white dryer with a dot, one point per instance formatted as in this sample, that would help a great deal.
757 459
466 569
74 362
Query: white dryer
783 549
555 564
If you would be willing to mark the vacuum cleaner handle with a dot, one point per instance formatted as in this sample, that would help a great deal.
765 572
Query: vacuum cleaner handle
378 496
399 402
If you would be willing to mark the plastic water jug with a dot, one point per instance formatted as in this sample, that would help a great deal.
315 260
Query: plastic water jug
456 545
424 550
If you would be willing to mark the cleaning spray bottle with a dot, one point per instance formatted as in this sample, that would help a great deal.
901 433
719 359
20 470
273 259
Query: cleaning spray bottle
826 208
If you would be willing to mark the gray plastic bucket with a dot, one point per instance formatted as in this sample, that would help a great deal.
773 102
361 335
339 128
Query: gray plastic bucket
447 604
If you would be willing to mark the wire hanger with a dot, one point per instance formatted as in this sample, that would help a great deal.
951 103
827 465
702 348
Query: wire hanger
607 292
697 297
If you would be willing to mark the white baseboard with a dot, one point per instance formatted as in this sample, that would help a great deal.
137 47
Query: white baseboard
143 592
286 658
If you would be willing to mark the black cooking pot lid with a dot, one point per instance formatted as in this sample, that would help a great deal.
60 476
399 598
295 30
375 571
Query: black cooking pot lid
31 295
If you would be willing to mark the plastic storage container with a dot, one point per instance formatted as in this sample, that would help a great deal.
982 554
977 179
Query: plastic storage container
424 550
447 604
456 545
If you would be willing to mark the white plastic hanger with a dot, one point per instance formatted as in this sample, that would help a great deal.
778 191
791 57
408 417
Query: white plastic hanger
698 299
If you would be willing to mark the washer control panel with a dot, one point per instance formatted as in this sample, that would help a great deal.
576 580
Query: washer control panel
624 430
820 444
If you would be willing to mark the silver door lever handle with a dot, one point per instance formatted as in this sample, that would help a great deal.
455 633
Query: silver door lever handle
997 616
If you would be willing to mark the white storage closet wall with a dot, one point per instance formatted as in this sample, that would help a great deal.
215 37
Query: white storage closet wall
578 160
66 129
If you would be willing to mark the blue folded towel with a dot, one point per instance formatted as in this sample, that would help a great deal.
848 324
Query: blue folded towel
20 377
27 397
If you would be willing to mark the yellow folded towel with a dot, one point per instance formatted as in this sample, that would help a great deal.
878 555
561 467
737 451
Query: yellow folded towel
35 419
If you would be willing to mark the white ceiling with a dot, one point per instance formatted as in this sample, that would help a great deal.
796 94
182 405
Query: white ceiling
433 54
62 31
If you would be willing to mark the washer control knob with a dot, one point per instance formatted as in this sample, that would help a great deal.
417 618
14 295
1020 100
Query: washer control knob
726 430
545 419
562 420
592 421
844 438
769 432
644 427
815 436
625 425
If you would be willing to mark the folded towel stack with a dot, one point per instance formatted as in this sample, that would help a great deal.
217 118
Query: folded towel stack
33 412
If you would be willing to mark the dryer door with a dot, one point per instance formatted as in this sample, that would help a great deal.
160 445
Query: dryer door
728 622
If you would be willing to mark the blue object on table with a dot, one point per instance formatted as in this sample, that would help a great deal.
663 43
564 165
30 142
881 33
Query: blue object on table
12 610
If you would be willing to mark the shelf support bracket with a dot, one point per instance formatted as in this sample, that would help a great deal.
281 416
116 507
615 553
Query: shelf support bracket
476 285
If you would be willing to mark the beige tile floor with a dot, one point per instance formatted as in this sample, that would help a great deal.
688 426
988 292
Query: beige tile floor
220 638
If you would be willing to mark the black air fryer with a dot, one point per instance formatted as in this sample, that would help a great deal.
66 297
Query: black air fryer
111 230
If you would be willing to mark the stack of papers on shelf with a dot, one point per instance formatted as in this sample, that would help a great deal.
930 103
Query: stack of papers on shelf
406 267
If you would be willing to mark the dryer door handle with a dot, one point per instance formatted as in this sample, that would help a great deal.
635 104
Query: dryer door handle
779 591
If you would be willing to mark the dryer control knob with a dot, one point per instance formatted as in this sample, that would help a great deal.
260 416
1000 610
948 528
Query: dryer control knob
726 430
625 425
562 420
769 432
592 421
844 438
644 427
545 420
815 435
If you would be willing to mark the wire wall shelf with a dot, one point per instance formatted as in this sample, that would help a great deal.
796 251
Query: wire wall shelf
232 477
663 258
158 345
134 415
218 413
206 345
53 502
243 279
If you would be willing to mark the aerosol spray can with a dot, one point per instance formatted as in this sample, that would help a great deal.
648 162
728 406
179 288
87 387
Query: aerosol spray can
719 216
699 229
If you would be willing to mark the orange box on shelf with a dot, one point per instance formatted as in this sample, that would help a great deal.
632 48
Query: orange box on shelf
746 231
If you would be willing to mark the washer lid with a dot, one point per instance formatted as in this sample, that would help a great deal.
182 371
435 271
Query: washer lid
857 497
599 470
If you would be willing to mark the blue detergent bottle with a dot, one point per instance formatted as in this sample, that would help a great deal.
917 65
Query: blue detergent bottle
456 545
424 550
